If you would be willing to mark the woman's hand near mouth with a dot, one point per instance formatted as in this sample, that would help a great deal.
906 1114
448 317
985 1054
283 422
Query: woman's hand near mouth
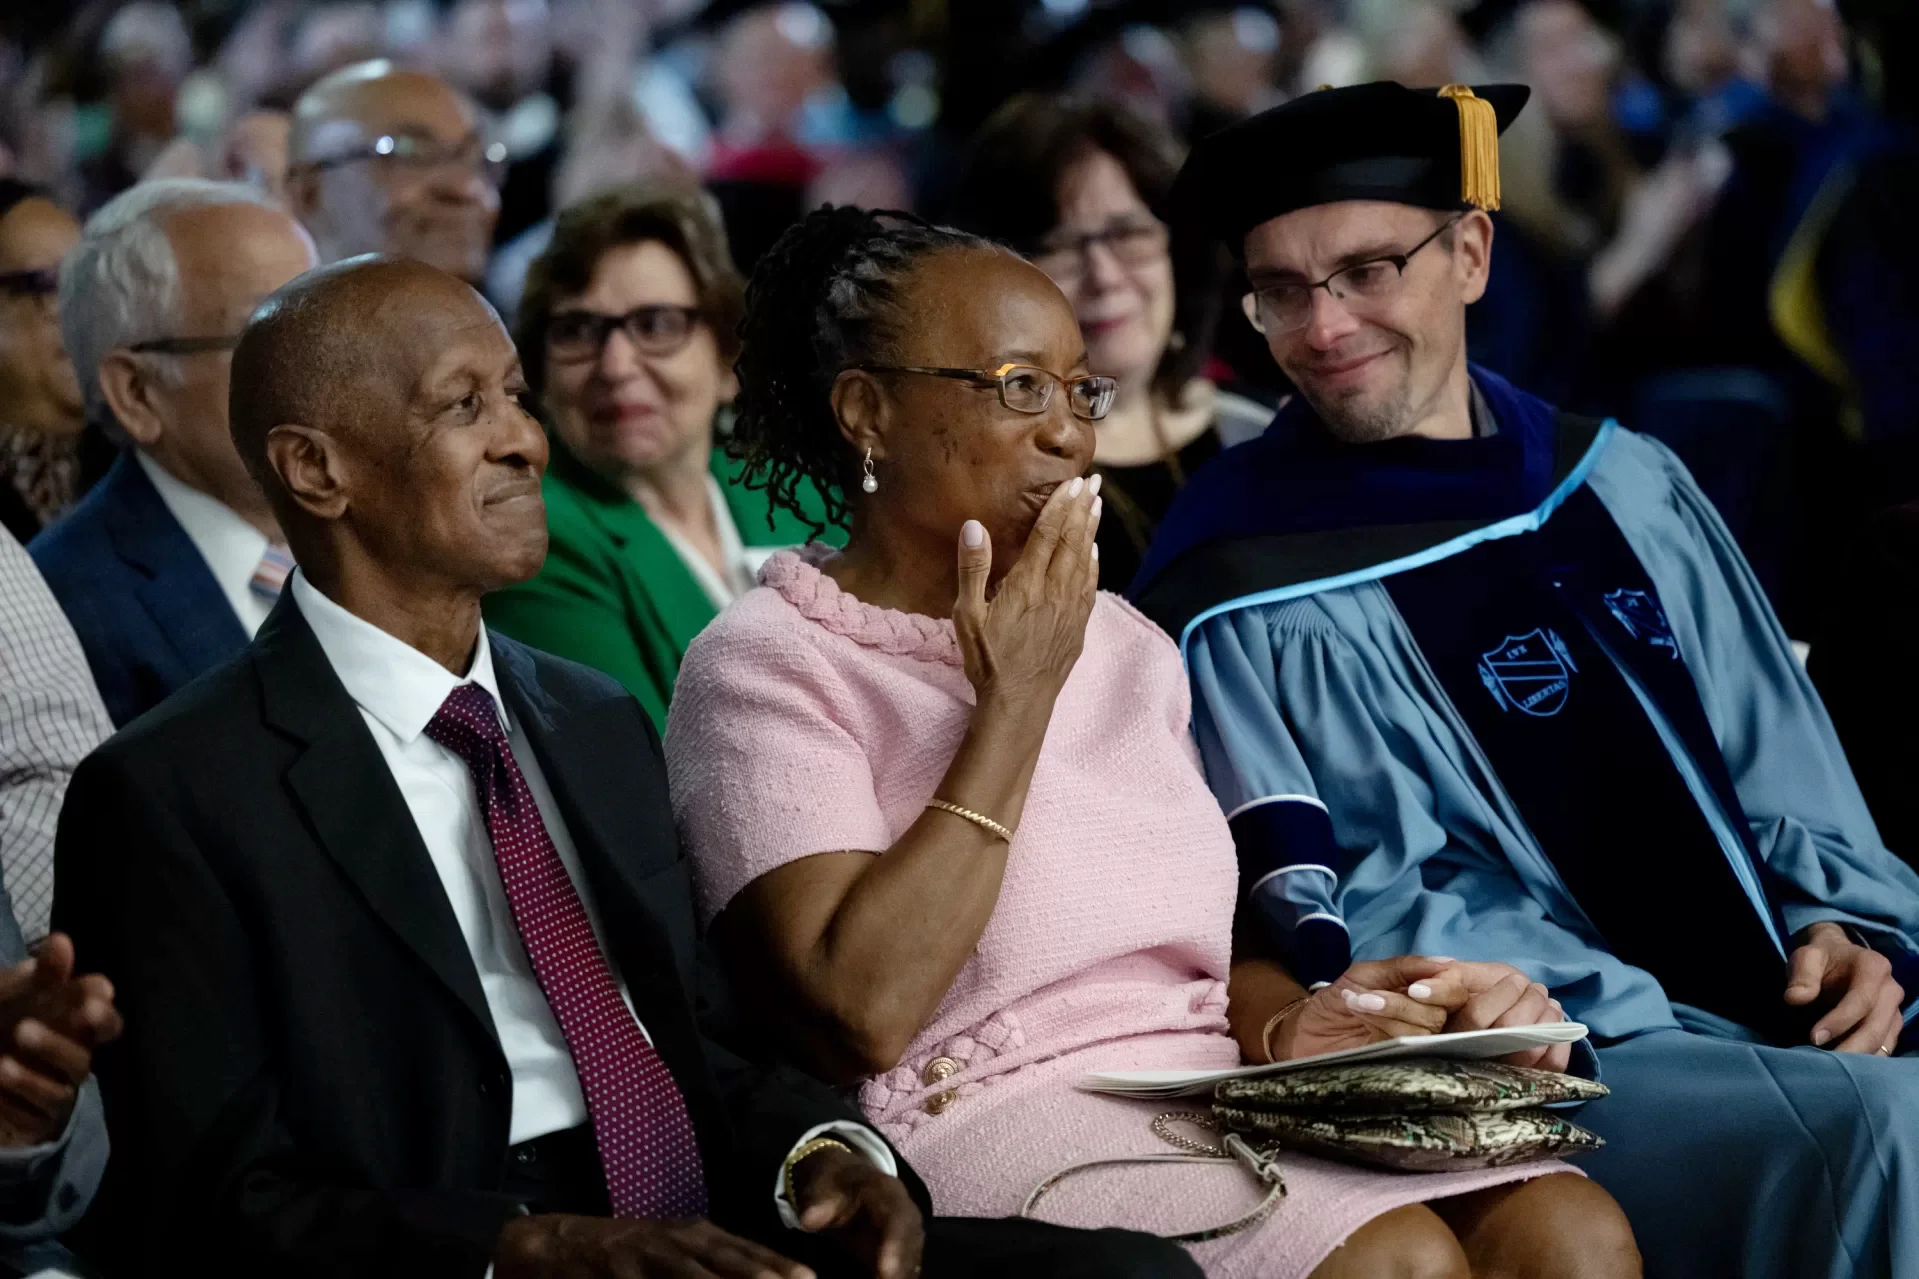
1022 644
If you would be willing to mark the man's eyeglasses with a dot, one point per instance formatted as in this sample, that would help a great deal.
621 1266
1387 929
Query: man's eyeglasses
185 346
1133 243
43 282
573 336
1282 308
422 155
1023 388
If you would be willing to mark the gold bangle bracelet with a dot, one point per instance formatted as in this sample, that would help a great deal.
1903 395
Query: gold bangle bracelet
980 820
1272 1024
800 1156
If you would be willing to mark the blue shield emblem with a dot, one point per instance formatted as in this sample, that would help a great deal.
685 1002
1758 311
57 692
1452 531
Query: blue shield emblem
1531 674
1639 613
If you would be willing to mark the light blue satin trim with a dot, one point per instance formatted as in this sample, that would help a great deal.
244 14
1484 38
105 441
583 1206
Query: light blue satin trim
1528 522
1703 794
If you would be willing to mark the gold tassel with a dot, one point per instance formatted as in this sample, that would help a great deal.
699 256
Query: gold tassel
1478 147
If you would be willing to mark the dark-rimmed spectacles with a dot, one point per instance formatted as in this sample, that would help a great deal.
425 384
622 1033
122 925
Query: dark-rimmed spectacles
185 346
1024 388
1132 243
658 330
420 154
1282 308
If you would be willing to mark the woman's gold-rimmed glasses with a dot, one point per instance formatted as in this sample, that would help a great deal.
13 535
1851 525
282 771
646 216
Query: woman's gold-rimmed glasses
1024 388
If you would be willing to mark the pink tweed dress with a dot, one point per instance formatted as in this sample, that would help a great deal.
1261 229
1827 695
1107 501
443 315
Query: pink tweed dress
805 721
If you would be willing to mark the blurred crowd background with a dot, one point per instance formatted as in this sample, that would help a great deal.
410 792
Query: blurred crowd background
1705 231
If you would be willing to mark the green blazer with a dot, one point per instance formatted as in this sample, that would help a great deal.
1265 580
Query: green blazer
614 594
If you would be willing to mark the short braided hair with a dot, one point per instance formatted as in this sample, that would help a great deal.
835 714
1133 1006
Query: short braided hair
823 298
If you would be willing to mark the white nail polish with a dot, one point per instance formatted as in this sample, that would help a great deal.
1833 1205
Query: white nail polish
1096 484
1072 490
1420 990
973 533
1095 552
1098 503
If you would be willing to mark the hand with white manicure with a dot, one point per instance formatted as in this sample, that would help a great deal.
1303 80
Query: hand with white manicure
1366 1005
1023 642
1480 996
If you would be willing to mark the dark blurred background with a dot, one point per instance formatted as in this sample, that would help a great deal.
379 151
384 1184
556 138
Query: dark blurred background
1705 231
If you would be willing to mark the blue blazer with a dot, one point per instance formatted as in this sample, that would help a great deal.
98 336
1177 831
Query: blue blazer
145 605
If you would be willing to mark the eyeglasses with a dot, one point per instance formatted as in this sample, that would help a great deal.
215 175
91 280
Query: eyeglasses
185 346
655 330
1132 243
1282 308
44 282
1023 388
422 155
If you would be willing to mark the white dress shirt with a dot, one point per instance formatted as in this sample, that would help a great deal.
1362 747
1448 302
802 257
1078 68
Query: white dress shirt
226 541
398 689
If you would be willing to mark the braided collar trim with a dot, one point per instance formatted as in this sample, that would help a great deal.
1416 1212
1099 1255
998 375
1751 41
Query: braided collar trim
796 576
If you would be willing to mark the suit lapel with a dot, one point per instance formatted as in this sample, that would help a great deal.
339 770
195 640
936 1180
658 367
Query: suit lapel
347 792
617 813
176 587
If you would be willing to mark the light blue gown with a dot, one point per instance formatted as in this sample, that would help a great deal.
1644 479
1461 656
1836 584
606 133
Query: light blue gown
1730 1157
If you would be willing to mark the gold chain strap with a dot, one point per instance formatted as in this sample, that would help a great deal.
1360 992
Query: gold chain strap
1260 1161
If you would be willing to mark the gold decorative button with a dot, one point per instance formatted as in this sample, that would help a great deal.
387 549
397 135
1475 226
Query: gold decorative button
938 1069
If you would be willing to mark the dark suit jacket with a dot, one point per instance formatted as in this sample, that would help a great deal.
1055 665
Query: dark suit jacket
310 1083
145 605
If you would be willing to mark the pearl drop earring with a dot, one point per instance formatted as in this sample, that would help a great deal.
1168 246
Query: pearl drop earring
869 481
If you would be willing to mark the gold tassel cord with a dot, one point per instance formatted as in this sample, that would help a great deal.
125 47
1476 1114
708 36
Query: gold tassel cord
1478 147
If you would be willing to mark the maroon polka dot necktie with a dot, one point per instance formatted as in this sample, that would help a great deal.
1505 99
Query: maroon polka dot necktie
645 1137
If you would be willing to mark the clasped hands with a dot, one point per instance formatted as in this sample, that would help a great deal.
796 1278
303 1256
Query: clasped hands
1424 995
50 1023
869 1215
1420 995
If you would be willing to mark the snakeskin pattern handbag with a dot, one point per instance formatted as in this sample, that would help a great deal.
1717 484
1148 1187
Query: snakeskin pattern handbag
1415 1114
1411 1115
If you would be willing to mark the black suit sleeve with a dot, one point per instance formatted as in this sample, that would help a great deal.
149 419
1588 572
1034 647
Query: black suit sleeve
771 1103
203 1168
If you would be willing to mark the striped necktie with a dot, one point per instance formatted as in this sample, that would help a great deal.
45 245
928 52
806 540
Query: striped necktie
272 572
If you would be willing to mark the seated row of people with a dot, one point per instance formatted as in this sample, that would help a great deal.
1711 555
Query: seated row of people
410 951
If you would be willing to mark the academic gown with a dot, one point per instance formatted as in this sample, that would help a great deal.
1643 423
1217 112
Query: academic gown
1371 821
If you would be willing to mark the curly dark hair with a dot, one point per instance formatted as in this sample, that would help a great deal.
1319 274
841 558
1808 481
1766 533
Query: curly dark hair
823 298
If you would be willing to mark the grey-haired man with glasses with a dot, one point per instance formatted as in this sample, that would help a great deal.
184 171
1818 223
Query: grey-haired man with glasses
174 559
388 160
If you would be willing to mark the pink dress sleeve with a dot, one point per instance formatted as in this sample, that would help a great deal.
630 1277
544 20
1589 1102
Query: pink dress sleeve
763 766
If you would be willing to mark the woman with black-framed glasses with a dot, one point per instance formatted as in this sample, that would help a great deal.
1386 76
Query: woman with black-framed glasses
627 332
41 415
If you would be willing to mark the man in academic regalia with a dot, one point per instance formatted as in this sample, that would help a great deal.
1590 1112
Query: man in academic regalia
1473 677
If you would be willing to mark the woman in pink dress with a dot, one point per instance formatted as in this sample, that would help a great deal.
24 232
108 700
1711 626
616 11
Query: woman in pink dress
946 817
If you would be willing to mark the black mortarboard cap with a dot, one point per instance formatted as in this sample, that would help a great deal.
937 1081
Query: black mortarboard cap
1434 148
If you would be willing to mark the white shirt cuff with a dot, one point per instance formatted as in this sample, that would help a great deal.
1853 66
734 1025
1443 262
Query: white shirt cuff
862 1139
